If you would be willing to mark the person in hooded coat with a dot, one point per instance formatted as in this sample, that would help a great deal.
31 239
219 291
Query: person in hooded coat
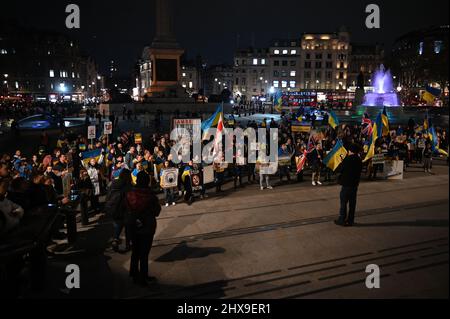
142 209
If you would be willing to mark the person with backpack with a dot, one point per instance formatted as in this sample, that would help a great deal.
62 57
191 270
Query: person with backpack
115 204
142 208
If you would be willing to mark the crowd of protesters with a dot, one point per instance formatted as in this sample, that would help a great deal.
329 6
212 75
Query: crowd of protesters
129 175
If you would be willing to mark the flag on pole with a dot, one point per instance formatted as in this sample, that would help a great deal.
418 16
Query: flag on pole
87 156
218 138
336 156
377 132
333 120
431 94
278 100
435 142
300 161
385 121
212 121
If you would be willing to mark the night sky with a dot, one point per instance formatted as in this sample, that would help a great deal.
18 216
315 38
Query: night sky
118 30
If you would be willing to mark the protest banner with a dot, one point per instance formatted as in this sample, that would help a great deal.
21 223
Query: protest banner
196 180
107 129
378 159
193 126
284 161
208 174
67 184
169 178
91 132
138 138
393 169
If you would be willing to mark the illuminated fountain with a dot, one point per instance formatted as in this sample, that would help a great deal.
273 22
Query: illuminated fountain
383 91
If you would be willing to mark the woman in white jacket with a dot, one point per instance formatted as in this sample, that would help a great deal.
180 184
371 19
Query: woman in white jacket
93 171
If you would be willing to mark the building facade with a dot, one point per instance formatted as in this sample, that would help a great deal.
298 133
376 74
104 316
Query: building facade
251 73
45 66
218 78
365 59
324 60
316 61
284 65
420 58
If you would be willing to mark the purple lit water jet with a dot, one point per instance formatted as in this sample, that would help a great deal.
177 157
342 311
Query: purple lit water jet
383 90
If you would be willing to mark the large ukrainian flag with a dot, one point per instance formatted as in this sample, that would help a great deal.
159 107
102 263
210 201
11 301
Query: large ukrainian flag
431 94
333 120
377 132
435 142
212 121
278 100
336 156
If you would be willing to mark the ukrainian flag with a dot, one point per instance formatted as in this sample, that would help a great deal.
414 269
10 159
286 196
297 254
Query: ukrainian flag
426 125
333 120
385 121
430 94
213 120
186 173
377 132
278 101
336 156
435 142
86 156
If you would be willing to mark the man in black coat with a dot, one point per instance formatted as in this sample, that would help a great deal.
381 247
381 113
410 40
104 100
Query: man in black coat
349 179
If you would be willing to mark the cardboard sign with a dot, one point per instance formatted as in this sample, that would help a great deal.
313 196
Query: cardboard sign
394 169
208 174
138 138
107 129
300 129
91 132
169 178
284 161
196 180
193 127
378 159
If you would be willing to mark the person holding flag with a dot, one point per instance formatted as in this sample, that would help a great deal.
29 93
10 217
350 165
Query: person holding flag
349 180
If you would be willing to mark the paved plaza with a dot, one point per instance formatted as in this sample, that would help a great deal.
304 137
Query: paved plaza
280 243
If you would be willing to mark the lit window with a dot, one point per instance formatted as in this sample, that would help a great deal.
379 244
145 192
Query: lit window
191 84
437 47
276 84
420 48
255 61
73 75
293 52
263 61
184 74
293 73
285 51
51 85
17 85
276 52
3 51
184 85
292 84
283 84
52 73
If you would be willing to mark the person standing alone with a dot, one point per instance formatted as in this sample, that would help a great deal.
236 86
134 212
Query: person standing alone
349 180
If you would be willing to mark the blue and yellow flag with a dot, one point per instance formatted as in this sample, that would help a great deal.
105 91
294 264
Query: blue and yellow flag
87 156
336 156
377 132
431 94
435 142
212 121
278 101
385 121
333 120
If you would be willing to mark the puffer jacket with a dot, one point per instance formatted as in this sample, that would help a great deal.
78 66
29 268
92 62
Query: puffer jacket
142 209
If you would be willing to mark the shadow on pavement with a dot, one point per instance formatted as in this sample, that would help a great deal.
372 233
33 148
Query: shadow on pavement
183 251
